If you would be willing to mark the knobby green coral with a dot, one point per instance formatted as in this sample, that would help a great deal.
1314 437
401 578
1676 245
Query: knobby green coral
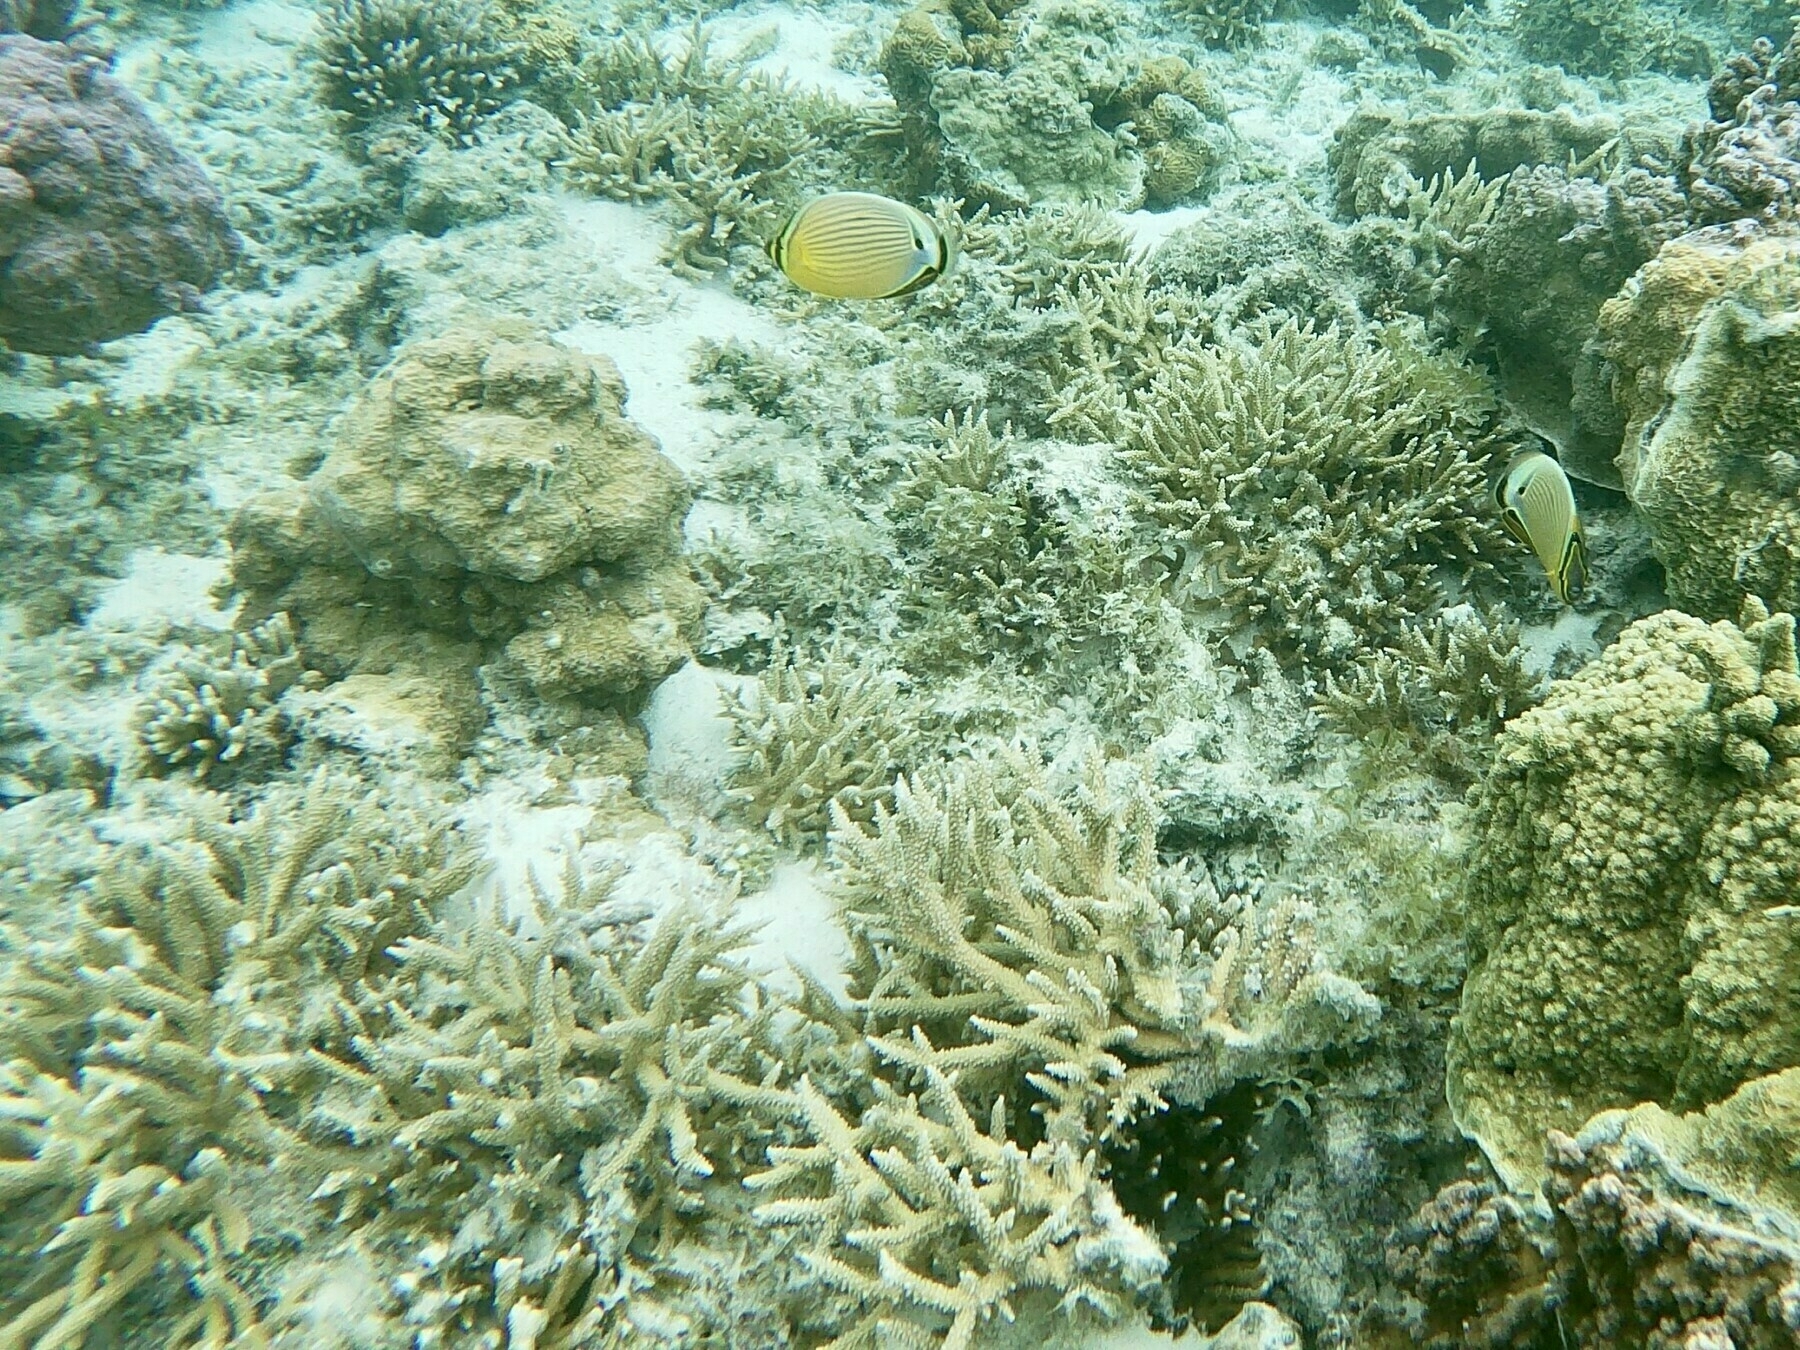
1634 852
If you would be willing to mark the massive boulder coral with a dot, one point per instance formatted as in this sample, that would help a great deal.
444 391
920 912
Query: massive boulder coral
105 226
1631 842
486 492
1702 355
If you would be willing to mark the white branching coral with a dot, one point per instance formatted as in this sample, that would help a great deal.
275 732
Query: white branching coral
1031 981
214 720
145 1059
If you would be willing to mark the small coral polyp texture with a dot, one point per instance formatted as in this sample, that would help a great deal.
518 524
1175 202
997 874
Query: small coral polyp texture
1703 347
1637 843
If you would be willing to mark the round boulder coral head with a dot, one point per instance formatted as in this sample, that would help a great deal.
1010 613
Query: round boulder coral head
1631 840
105 226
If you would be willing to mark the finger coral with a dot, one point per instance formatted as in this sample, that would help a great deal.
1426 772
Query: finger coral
1631 836
1033 983
725 145
1323 489
819 737
441 66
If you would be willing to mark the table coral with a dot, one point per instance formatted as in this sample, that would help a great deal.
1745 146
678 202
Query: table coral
1702 351
1632 835
486 491
105 226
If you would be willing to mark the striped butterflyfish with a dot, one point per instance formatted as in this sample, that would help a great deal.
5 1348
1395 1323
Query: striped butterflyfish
1537 506
858 246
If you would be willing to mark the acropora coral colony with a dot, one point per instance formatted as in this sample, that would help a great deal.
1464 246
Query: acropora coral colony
1245 901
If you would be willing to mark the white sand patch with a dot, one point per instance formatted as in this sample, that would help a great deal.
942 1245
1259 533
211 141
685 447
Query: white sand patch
163 590
800 928
521 840
690 736
654 346
1572 632
806 43
1149 230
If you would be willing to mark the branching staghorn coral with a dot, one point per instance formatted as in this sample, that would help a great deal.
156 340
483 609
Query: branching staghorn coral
1000 562
819 736
217 720
1224 23
145 1058
1442 690
725 145
538 1111
1323 487
441 66
1032 981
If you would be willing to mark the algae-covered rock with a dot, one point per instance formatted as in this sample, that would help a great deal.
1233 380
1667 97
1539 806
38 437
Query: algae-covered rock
485 493
507 456
1031 104
1376 151
1633 835
1703 353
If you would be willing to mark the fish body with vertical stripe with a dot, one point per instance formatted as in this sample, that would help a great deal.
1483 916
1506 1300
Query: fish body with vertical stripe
1537 506
860 246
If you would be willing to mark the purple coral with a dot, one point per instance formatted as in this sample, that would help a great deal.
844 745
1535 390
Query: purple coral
104 225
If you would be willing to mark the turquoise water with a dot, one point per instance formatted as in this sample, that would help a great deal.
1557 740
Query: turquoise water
1214 769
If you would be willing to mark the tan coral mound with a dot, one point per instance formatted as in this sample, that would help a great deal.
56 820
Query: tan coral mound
1631 841
1703 351
485 492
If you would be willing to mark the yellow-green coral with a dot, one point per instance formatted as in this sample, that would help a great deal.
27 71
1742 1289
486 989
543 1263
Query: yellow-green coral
1704 350
1633 834
1324 488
